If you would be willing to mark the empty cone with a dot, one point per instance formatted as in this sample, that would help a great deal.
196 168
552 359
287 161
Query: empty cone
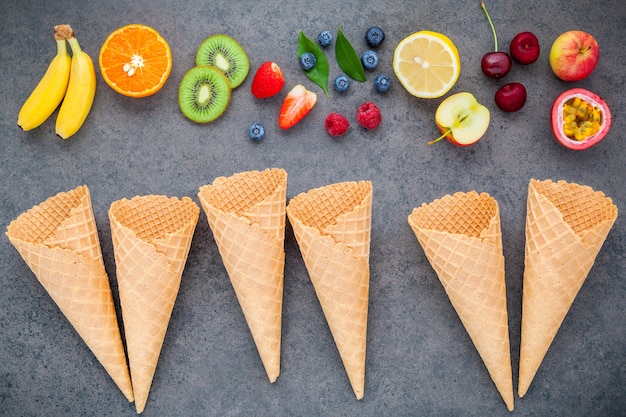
246 213
566 225
58 239
461 237
151 240
332 225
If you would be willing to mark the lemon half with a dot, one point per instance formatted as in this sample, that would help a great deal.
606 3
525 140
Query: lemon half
427 64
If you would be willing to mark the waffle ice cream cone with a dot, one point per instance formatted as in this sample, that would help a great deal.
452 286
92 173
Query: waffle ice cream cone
58 239
151 240
461 237
332 226
246 213
566 225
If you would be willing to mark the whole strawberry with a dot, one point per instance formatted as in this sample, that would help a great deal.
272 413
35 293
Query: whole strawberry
368 115
336 124
268 80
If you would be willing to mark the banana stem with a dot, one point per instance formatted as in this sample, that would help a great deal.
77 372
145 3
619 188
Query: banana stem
63 32
446 133
495 37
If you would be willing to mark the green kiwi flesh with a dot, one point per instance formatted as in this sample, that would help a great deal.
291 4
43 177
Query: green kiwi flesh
224 53
204 94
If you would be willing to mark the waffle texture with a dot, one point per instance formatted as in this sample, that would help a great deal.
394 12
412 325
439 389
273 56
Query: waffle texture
58 239
566 225
151 240
246 213
461 237
332 226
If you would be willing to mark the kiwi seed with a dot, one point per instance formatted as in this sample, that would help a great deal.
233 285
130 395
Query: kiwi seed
204 94
224 53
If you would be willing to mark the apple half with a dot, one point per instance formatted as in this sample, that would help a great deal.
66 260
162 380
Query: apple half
461 119
589 119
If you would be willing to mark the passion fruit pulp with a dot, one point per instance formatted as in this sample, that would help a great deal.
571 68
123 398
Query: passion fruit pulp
580 119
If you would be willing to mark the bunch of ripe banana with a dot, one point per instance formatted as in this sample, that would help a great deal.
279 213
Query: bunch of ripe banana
71 81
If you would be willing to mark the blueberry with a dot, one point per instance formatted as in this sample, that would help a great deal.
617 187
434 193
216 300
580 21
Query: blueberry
382 83
307 61
374 36
369 59
325 38
256 131
341 83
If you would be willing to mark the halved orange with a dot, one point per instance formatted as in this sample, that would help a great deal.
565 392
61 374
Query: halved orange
135 60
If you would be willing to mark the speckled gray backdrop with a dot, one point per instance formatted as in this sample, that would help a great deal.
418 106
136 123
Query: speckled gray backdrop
420 360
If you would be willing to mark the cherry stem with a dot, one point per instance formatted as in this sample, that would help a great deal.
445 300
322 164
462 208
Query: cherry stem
446 133
495 37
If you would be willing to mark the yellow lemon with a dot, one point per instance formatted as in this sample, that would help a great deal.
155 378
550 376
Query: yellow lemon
427 64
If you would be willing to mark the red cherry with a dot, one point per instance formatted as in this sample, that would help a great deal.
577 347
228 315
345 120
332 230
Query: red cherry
496 64
524 48
511 97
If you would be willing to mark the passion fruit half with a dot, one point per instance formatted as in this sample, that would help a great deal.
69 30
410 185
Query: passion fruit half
580 119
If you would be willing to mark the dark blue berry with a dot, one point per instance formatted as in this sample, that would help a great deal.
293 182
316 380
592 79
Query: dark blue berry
307 61
325 38
374 36
256 131
342 83
382 83
369 60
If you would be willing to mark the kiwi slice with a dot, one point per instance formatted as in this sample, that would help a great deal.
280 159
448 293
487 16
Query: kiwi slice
204 94
223 52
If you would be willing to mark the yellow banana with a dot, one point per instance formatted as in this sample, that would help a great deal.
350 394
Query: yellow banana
80 92
50 90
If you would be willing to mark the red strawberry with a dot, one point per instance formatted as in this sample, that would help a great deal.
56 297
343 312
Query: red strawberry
297 104
268 80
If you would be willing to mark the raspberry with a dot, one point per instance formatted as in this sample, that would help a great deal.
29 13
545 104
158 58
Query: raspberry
368 115
336 124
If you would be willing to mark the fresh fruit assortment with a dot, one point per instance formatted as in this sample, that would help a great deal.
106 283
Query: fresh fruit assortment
136 61
68 81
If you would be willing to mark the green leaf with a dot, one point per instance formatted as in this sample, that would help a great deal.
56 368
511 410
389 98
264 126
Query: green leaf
319 73
347 58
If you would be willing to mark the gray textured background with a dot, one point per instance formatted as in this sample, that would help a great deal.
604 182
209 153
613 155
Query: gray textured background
420 360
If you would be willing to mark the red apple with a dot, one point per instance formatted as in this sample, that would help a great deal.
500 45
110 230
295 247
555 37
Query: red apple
574 55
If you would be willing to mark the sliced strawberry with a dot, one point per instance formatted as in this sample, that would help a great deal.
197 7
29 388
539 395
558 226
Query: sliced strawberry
268 80
297 104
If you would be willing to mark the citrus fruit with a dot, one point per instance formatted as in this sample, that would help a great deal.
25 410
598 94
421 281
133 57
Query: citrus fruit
135 60
427 64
